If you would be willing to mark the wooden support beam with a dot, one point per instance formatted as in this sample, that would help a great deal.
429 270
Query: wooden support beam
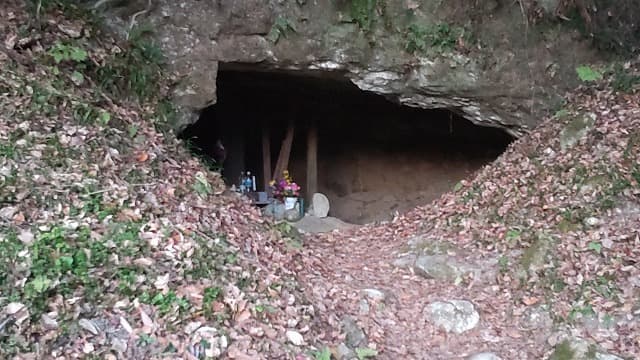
285 151
266 155
312 160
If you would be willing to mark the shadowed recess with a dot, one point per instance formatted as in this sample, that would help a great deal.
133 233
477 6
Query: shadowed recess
375 158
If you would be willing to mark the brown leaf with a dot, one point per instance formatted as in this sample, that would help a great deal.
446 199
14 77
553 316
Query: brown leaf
243 316
142 156
530 300
218 306
18 218
513 333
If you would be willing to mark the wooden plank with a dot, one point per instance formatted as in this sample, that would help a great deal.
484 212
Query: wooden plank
266 156
285 151
312 160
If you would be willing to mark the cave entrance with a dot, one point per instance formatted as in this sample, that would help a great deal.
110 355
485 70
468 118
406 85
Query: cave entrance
374 157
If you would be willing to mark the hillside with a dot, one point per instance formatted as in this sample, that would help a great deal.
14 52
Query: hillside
117 243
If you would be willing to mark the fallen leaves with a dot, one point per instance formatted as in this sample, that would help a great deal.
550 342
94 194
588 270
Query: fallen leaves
142 156
92 214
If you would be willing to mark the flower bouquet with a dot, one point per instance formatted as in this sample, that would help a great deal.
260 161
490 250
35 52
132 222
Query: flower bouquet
286 190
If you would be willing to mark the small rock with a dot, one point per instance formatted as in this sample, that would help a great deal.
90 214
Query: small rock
71 30
223 342
484 356
118 345
26 237
89 326
48 322
374 294
295 338
88 348
207 331
455 316
13 308
292 323
292 215
8 212
591 221
355 337
343 352
256 331
192 326
162 282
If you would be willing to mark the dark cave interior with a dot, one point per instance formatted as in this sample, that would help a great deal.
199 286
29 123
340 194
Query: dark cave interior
375 157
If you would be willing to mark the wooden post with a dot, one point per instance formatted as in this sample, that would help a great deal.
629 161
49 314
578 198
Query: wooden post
266 155
285 151
312 160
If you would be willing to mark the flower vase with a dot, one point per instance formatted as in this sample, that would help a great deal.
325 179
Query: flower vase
290 202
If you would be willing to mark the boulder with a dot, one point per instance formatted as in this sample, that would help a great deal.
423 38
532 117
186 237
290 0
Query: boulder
457 316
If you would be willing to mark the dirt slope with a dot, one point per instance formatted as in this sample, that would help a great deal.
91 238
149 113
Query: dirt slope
562 227
114 241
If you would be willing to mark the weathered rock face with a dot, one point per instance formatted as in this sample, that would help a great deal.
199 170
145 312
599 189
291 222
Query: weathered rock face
498 71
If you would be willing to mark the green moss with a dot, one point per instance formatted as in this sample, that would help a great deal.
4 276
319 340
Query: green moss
439 37
563 351
363 13
535 254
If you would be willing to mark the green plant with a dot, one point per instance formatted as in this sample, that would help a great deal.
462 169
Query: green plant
281 27
7 150
365 353
503 264
440 37
165 115
201 185
165 303
588 74
581 310
87 114
363 13
61 52
595 246
563 351
136 70
211 294
623 80
324 354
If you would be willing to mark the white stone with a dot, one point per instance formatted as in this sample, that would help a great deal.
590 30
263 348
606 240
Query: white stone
320 205
295 337
455 316
374 294
484 356
13 308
